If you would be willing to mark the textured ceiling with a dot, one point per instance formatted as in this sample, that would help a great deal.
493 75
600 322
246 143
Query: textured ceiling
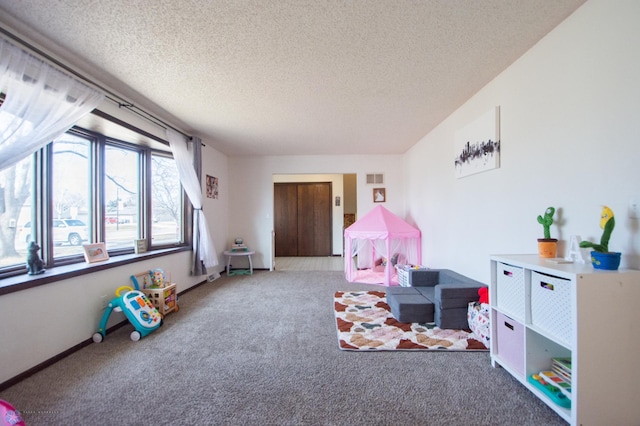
276 77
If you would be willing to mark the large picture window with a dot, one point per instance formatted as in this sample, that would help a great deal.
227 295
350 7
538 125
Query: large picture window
87 187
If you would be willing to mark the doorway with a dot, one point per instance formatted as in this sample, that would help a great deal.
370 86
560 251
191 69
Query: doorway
303 219
344 206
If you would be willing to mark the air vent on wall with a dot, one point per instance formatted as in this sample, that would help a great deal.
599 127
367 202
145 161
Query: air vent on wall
375 178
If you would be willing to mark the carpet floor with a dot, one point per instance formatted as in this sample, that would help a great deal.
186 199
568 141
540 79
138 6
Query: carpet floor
261 350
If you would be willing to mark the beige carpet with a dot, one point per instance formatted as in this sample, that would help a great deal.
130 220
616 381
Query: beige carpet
261 350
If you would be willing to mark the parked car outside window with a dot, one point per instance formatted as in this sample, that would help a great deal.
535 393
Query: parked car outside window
65 231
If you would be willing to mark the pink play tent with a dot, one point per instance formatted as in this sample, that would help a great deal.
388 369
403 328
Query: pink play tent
376 243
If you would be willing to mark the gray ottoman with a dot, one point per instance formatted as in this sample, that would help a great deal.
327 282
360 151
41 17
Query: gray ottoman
409 305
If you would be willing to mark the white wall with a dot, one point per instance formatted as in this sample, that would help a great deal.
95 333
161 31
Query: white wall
251 183
569 134
44 321
216 210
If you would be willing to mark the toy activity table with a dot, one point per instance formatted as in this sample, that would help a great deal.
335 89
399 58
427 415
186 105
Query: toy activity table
231 254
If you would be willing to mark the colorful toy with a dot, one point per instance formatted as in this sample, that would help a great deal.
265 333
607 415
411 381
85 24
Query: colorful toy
547 221
553 392
9 416
157 278
547 246
483 292
601 257
607 223
140 312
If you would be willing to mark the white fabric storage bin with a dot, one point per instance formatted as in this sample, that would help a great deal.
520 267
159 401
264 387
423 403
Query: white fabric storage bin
510 290
551 305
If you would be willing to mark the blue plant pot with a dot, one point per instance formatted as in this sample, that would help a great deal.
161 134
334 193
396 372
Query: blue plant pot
608 261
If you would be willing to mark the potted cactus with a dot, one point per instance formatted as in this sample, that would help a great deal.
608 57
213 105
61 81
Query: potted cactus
547 246
601 257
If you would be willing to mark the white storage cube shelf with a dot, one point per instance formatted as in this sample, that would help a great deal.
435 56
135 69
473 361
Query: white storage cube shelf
541 310
551 306
511 290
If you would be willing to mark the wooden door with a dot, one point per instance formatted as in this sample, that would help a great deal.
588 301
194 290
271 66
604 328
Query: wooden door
314 219
303 219
286 218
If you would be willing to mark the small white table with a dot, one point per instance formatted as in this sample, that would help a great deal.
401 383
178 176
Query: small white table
231 254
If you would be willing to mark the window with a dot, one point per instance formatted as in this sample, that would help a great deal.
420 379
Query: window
122 196
70 195
166 206
86 187
16 208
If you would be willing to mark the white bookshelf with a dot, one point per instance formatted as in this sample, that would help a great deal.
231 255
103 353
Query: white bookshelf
541 310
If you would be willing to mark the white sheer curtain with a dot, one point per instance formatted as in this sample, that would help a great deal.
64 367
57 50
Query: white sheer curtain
41 103
204 252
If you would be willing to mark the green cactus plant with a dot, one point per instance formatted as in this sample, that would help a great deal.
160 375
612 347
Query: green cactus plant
607 223
546 221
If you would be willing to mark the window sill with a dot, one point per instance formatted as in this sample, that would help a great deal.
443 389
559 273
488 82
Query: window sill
25 281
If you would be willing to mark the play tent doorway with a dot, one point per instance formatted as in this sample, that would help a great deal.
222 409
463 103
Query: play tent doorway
375 243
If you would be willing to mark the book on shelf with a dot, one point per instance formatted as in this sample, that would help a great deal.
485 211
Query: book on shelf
562 365
563 362
563 376
566 377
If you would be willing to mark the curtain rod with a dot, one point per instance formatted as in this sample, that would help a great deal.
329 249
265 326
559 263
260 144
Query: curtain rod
122 103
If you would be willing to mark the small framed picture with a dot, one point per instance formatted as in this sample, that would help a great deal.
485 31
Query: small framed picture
95 252
379 195
139 246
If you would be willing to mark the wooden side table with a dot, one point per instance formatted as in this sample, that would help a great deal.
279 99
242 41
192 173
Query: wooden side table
231 254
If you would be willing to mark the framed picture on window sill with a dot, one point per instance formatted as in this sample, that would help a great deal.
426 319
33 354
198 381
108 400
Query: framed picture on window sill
139 246
95 252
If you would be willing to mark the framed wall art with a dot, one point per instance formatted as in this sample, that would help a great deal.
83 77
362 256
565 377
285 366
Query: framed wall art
212 187
379 195
477 145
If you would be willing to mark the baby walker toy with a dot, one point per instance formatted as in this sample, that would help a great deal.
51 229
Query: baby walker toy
140 312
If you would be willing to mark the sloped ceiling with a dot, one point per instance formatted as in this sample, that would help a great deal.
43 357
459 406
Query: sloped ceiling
293 77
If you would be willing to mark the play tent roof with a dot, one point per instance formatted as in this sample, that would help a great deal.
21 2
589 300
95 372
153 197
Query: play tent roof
381 223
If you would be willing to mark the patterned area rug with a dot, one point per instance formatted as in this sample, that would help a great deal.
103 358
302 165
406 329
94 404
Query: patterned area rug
365 323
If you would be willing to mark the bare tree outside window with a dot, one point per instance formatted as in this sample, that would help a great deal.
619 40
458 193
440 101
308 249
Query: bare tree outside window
122 213
166 196
15 211
71 189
